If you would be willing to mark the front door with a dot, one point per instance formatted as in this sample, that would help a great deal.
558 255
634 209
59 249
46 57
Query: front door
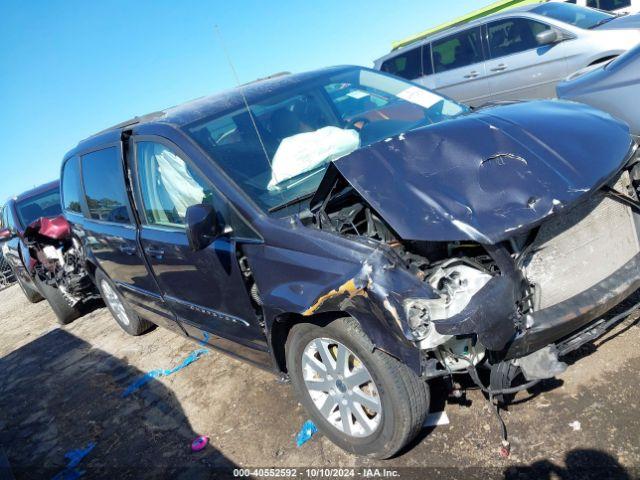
110 233
459 70
518 67
205 288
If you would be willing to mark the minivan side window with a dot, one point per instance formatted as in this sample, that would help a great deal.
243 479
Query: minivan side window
71 187
513 35
457 50
103 180
406 65
168 186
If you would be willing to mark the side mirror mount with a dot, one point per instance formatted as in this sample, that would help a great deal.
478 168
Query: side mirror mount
202 226
5 234
548 37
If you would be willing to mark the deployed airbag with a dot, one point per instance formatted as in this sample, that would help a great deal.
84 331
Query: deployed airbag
305 151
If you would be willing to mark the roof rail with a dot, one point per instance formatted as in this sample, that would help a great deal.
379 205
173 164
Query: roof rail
132 121
492 8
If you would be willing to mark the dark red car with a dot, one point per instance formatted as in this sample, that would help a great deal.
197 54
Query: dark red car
36 245
18 213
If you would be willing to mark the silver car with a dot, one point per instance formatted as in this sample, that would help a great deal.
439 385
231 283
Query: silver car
613 87
517 54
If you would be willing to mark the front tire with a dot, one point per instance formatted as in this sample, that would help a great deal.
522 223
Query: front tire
362 399
120 309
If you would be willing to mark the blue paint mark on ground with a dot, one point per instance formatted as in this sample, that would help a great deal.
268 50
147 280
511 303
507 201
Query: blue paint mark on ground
161 372
74 457
306 432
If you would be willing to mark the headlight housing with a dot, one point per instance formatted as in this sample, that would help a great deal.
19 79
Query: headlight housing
456 285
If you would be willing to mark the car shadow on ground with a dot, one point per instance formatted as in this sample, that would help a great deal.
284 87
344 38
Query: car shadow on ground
580 464
60 394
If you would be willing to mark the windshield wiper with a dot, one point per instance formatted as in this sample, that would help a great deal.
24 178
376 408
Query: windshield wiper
293 201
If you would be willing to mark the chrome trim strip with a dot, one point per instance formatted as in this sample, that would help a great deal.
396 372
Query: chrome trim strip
208 311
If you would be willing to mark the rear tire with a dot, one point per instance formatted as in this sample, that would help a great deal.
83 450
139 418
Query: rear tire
32 295
65 313
393 399
120 309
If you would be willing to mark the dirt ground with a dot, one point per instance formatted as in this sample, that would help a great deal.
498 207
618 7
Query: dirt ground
61 388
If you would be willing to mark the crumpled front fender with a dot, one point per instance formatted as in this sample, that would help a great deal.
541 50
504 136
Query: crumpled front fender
366 282
374 297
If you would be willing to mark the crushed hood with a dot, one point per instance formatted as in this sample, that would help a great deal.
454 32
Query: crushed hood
487 175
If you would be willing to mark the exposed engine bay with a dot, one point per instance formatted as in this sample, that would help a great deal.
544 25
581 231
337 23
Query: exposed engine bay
455 270
57 259
543 264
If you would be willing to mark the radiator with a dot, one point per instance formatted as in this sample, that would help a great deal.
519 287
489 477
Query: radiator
575 250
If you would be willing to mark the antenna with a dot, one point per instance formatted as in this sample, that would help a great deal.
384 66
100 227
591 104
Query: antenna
246 104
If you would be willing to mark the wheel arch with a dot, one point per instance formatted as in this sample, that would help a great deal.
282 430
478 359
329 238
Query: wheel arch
380 339
283 324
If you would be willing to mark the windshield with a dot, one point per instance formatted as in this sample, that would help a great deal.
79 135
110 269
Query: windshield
46 204
310 125
575 15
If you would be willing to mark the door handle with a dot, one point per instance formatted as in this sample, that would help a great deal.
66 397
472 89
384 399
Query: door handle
127 249
154 252
499 68
472 74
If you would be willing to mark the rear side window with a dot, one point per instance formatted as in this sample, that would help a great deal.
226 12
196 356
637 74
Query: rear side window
513 35
458 50
103 180
608 5
71 187
406 65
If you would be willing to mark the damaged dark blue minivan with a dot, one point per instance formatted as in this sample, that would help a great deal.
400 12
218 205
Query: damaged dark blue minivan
362 235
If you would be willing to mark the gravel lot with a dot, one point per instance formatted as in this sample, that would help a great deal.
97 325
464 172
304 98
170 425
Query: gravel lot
61 388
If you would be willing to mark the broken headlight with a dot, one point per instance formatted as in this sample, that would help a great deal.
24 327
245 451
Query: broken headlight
456 285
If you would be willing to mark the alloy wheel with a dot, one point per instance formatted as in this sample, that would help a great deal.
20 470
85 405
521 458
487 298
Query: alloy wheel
341 387
112 299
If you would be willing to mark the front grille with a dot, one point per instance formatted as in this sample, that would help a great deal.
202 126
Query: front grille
581 247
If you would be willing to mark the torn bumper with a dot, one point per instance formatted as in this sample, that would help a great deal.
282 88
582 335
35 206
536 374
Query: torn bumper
554 323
